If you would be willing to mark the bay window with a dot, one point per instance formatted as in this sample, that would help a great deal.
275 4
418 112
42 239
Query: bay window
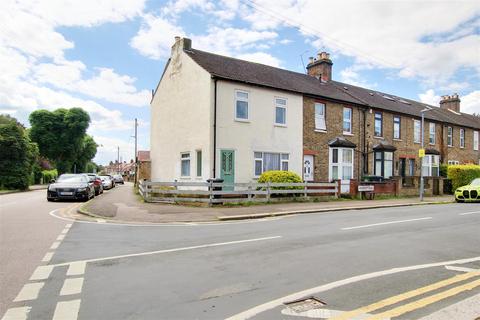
340 164
384 164
431 165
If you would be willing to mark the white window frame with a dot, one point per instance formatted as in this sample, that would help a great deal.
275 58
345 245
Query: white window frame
432 134
259 156
280 106
382 162
349 121
341 165
184 157
475 140
417 131
399 127
320 119
237 98
462 138
431 165
450 136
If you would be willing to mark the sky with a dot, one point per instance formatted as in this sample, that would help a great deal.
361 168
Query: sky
106 56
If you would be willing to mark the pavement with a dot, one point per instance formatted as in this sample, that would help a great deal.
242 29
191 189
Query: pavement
122 205
30 188
390 263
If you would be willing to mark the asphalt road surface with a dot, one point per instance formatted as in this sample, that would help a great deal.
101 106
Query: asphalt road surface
397 263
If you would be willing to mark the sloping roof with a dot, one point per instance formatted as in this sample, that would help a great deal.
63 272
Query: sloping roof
262 75
341 142
384 146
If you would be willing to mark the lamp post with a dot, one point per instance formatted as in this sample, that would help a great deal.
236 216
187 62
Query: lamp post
421 159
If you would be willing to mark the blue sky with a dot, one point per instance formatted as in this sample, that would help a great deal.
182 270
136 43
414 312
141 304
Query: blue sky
106 56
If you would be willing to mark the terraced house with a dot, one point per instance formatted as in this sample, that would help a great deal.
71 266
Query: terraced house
216 116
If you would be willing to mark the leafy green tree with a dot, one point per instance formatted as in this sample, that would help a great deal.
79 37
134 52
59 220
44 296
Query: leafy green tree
61 136
18 155
87 151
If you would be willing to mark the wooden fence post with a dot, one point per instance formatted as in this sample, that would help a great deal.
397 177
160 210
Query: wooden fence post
249 191
305 194
210 196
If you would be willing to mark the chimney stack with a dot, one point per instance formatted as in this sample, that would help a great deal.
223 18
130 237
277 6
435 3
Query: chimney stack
450 102
181 44
320 67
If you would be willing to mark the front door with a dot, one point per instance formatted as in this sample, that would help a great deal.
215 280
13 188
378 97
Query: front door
308 168
227 172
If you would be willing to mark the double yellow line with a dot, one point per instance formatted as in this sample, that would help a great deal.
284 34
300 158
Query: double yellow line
395 312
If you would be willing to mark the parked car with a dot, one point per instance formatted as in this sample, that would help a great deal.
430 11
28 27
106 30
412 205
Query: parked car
97 183
113 179
107 182
468 193
118 179
71 186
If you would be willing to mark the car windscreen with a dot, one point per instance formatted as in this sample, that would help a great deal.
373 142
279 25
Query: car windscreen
475 183
72 178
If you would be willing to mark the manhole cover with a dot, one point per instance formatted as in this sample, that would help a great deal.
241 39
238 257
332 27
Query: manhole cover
305 304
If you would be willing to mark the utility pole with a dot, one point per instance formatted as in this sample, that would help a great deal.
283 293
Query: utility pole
136 158
118 159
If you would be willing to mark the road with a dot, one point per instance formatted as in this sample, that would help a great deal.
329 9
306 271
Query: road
425 259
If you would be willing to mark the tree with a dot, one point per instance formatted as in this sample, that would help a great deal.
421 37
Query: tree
18 155
61 135
86 152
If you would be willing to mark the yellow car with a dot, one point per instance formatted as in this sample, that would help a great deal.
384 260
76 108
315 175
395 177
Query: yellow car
468 193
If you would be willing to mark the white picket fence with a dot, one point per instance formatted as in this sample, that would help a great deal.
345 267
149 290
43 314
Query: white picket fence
211 192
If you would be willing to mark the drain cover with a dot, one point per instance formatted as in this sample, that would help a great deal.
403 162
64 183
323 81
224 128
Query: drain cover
305 304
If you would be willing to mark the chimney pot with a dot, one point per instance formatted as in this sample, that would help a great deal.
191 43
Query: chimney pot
450 102
321 67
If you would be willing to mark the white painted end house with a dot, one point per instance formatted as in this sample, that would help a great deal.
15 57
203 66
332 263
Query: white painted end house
205 124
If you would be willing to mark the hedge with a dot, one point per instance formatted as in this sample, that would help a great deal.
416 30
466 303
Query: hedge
278 176
48 175
462 175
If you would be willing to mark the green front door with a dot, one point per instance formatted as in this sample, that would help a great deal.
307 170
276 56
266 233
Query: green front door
227 172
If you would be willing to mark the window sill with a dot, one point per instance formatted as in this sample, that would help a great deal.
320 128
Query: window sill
242 120
280 125
416 142
320 131
185 178
381 138
450 146
348 134
399 140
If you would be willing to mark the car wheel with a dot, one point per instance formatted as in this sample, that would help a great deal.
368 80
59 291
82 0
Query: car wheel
49 199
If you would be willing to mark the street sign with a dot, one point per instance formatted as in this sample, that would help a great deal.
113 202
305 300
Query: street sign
366 188
421 153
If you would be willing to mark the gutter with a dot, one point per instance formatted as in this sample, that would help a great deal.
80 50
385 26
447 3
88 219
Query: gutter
215 128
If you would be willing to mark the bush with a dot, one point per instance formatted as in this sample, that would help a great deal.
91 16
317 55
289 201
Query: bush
48 175
278 176
463 174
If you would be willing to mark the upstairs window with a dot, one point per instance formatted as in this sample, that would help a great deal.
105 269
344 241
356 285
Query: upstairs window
450 136
241 105
396 127
280 112
185 164
475 140
347 120
462 138
320 117
378 124
416 131
432 136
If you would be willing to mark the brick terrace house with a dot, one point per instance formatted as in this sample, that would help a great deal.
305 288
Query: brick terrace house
211 113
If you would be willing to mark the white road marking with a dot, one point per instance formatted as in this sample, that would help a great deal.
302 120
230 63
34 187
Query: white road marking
29 292
60 237
101 220
76 269
55 245
42 273
72 286
332 285
64 231
461 269
466 213
385 223
67 310
210 245
322 313
17 313
47 257
69 225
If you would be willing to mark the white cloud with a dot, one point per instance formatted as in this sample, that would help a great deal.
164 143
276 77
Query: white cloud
261 57
470 103
155 37
353 77
433 41
429 97
107 149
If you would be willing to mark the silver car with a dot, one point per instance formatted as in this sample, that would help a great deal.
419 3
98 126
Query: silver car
107 182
